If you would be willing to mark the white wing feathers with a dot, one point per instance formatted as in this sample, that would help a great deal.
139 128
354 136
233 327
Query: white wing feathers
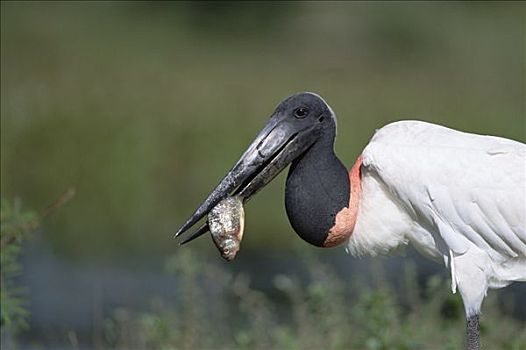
470 189
456 195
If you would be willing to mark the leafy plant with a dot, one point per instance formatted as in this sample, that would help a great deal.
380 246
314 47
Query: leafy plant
16 226
217 309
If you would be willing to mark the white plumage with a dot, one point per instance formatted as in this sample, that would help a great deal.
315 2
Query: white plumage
455 196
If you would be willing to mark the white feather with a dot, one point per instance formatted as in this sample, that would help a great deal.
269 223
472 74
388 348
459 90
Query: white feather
453 195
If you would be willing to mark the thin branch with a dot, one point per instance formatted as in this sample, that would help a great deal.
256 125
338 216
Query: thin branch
60 201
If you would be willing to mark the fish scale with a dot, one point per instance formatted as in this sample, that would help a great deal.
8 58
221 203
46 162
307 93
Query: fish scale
226 222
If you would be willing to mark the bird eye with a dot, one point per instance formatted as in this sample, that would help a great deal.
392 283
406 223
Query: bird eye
301 112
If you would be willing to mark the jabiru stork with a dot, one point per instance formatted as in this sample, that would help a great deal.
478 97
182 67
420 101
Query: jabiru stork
458 198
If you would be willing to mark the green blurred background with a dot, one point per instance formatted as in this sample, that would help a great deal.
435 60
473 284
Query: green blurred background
143 106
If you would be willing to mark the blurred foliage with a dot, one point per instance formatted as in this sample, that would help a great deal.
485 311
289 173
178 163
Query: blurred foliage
323 315
16 225
143 106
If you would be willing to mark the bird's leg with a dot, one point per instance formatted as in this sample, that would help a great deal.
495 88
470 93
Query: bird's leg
472 332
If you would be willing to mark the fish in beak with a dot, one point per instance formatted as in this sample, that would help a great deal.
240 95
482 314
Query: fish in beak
296 124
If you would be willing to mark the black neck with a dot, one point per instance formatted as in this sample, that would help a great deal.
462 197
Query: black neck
317 189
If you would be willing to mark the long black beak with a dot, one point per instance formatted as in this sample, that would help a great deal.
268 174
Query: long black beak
276 146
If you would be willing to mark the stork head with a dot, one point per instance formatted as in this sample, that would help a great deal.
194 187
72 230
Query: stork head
300 123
